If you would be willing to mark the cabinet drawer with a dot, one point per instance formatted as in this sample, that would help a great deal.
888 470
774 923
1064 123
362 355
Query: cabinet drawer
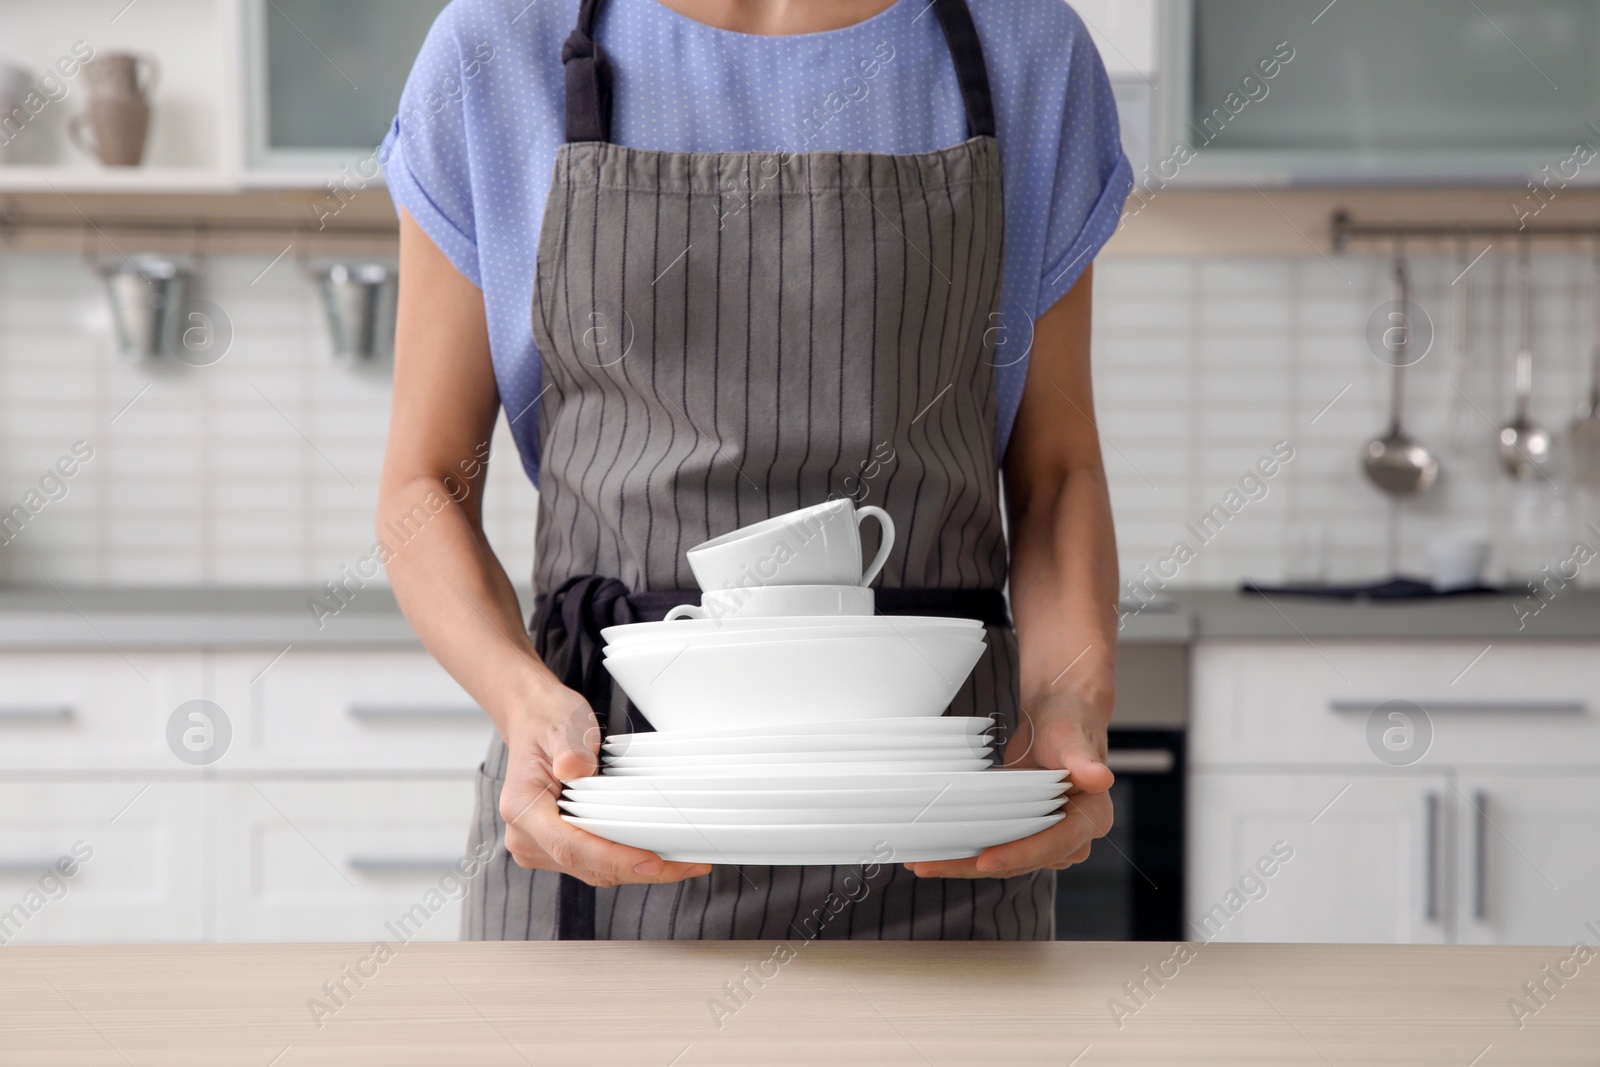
341 861
1258 702
91 711
138 854
350 711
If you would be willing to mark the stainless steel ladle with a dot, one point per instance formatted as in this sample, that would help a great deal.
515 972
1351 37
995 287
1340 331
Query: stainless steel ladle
1397 463
1524 444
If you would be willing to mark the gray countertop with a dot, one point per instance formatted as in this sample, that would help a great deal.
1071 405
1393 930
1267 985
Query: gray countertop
90 617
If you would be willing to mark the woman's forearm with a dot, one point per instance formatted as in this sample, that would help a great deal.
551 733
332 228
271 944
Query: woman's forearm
458 599
1064 591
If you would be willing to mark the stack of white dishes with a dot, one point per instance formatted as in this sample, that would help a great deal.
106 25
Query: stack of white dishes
796 727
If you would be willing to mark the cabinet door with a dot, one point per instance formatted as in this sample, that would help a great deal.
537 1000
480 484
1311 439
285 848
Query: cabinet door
135 855
341 860
1352 858
1529 858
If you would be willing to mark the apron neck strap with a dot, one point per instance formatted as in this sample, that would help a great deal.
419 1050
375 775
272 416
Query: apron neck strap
588 72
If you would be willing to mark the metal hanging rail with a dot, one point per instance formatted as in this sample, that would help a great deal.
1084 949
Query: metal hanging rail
1343 230
13 222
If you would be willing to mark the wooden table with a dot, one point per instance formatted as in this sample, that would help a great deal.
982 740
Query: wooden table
663 1003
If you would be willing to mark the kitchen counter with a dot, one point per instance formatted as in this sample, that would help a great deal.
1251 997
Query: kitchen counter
672 1003
89 617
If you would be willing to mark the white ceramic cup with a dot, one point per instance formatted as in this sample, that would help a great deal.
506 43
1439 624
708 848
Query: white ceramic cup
819 545
770 601
1456 561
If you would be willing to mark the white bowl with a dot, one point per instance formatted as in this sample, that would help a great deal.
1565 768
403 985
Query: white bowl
813 844
741 768
634 631
697 686
937 811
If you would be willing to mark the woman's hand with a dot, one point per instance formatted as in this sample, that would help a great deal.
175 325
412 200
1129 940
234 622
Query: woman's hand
552 744
1063 732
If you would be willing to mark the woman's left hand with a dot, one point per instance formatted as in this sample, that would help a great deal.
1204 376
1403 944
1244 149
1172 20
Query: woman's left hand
1064 732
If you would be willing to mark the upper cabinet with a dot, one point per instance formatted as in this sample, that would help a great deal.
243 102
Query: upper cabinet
232 94
325 77
1379 91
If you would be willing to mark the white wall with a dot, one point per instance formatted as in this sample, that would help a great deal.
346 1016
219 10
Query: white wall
1202 365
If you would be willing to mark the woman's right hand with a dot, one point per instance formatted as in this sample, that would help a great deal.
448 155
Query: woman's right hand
554 742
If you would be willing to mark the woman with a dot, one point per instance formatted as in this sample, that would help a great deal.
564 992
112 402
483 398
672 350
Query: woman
718 260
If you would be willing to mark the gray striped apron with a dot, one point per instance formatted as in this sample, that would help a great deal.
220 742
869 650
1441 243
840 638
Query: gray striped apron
727 336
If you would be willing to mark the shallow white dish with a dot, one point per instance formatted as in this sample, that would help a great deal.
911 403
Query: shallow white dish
675 760
935 811
673 745
815 844
771 601
971 793
741 768
805 680
648 631
856 780
969 725
677 642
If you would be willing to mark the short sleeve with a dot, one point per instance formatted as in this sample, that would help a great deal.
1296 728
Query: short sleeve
1092 175
425 155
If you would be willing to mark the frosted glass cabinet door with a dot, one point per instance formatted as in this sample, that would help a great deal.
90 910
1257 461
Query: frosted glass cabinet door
326 75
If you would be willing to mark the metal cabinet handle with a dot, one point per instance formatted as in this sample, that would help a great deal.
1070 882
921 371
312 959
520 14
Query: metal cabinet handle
414 712
27 868
1431 879
1480 858
1141 760
401 864
10 713
1437 707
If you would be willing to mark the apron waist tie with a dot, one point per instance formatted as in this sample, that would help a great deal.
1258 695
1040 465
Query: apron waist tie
566 632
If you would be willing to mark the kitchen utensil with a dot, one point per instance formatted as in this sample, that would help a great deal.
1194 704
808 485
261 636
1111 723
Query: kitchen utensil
934 812
1460 422
112 130
359 302
778 600
969 726
673 744
1584 440
1524 444
819 545
812 844
1395 462
112 75
802 680
145 295
1455 561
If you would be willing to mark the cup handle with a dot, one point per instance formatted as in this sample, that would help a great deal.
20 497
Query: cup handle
686 611
149 73
81 134
886 540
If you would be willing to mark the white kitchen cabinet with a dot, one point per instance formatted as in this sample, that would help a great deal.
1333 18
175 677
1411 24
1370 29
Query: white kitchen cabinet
1528 858
1279 728
1125 32
76 711
338 710
1368 864
340 860
140 874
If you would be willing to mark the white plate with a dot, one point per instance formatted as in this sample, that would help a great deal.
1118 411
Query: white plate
815 844
977 792
647 631
678 760
741 768
942 726
936 811
856 779
672 745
